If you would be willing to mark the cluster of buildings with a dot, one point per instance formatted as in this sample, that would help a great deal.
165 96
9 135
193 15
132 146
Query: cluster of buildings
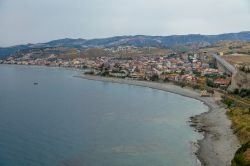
188 69
185 69
52 62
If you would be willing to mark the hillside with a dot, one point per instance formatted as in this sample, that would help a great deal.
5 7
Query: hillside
136 41
66 53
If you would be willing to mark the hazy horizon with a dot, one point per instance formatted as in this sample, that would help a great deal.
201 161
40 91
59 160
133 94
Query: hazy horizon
119 36
30 21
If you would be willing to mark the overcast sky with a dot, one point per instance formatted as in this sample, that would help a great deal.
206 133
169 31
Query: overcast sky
33 21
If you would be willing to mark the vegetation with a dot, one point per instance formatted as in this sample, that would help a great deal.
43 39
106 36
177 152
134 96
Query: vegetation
105 73
242 93
214 76
196 73
242 156
241 122
229 102
234 47
244 68
154 77
239 113
196 87
210 83
89 72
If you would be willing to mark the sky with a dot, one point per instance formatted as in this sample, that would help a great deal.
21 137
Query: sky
35 21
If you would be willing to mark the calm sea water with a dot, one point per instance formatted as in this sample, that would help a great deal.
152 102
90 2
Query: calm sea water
71 121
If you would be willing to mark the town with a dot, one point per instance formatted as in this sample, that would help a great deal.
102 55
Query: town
196 70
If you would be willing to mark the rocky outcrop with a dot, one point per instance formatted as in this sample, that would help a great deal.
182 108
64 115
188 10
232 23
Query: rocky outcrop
240 80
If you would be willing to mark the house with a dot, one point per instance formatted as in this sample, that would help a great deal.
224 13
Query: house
222 82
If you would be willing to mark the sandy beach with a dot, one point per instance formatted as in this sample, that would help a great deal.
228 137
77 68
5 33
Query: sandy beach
219 144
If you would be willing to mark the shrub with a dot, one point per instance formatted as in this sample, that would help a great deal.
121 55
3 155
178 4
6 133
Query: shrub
105 73
236 91
89 72
228 102
155 77
210 83
239 156
196 87
244 93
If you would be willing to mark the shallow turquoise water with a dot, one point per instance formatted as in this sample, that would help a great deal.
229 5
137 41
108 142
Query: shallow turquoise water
71 121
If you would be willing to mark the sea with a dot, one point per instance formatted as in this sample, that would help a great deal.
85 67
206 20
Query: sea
69 121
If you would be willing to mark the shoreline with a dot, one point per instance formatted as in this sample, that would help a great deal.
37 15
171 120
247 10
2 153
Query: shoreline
219 144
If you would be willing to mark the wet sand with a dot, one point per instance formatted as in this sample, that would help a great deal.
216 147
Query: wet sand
219 144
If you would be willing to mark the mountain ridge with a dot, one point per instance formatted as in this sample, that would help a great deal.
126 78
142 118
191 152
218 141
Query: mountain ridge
131 40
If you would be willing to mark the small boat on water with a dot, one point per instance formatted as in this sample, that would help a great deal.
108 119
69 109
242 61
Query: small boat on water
35 83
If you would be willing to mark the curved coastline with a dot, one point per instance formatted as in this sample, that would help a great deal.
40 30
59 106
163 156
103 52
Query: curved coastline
219 144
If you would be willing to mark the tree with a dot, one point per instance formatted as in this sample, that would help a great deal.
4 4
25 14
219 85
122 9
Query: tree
210 83
182 72
236 91
154 77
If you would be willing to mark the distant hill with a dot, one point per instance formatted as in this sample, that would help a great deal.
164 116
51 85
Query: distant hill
137 41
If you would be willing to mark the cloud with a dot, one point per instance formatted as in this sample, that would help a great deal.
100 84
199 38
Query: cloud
2 4
248 5
25 21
